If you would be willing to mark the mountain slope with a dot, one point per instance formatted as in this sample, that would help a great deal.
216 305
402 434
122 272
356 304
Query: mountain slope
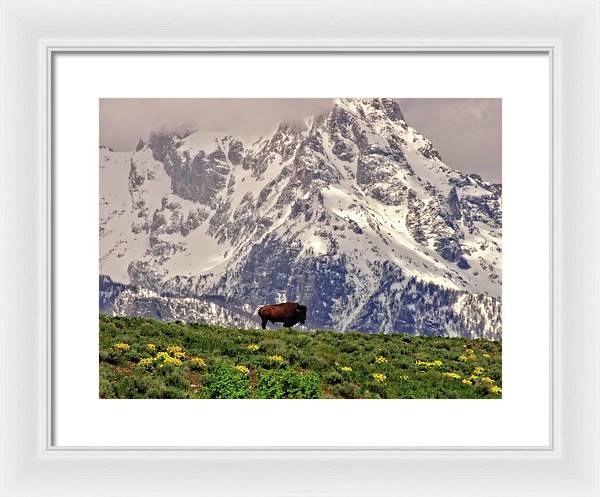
354 213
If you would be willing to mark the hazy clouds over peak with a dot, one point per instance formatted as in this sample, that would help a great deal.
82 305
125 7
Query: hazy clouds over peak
467 132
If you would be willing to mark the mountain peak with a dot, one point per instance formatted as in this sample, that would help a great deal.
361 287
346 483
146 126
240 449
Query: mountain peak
287 128
372 107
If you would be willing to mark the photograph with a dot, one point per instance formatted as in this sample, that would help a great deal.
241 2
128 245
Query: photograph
300 248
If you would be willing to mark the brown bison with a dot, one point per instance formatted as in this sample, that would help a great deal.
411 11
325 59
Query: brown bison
289 314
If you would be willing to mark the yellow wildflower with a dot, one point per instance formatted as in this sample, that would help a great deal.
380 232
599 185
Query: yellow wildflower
404 377
346 369
146 362
436 364
469 355
198 362
166 359
253 346
379 377
380 360
176 351
487 356
276 358
151 346
241 369
487 380
121 346
496 389
465 381
478 370
455 376
171 361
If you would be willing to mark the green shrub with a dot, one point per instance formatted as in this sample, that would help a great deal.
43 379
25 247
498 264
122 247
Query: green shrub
287 383
224 382
345 390
333 378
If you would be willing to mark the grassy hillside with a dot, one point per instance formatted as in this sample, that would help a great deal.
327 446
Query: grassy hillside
144 358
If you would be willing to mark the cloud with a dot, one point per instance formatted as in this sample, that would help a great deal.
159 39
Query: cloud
467 132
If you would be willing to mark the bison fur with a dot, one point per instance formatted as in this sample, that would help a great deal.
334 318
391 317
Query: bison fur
289 313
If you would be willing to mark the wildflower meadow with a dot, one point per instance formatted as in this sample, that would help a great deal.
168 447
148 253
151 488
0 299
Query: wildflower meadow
144 358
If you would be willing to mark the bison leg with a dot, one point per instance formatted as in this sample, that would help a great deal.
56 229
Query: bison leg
264 323
288 323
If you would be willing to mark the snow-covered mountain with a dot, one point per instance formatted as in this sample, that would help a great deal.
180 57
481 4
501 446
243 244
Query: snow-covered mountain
353 213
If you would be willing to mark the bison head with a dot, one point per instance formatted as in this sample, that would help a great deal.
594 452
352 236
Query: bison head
301 313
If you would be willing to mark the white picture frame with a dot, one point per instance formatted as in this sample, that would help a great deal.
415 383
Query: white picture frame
32 33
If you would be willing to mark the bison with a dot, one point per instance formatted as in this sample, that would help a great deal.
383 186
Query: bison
289 314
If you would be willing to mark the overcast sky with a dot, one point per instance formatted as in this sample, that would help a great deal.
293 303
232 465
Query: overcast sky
467 132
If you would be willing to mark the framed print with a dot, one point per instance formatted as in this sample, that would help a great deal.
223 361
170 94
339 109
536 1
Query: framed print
353 250
304 239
